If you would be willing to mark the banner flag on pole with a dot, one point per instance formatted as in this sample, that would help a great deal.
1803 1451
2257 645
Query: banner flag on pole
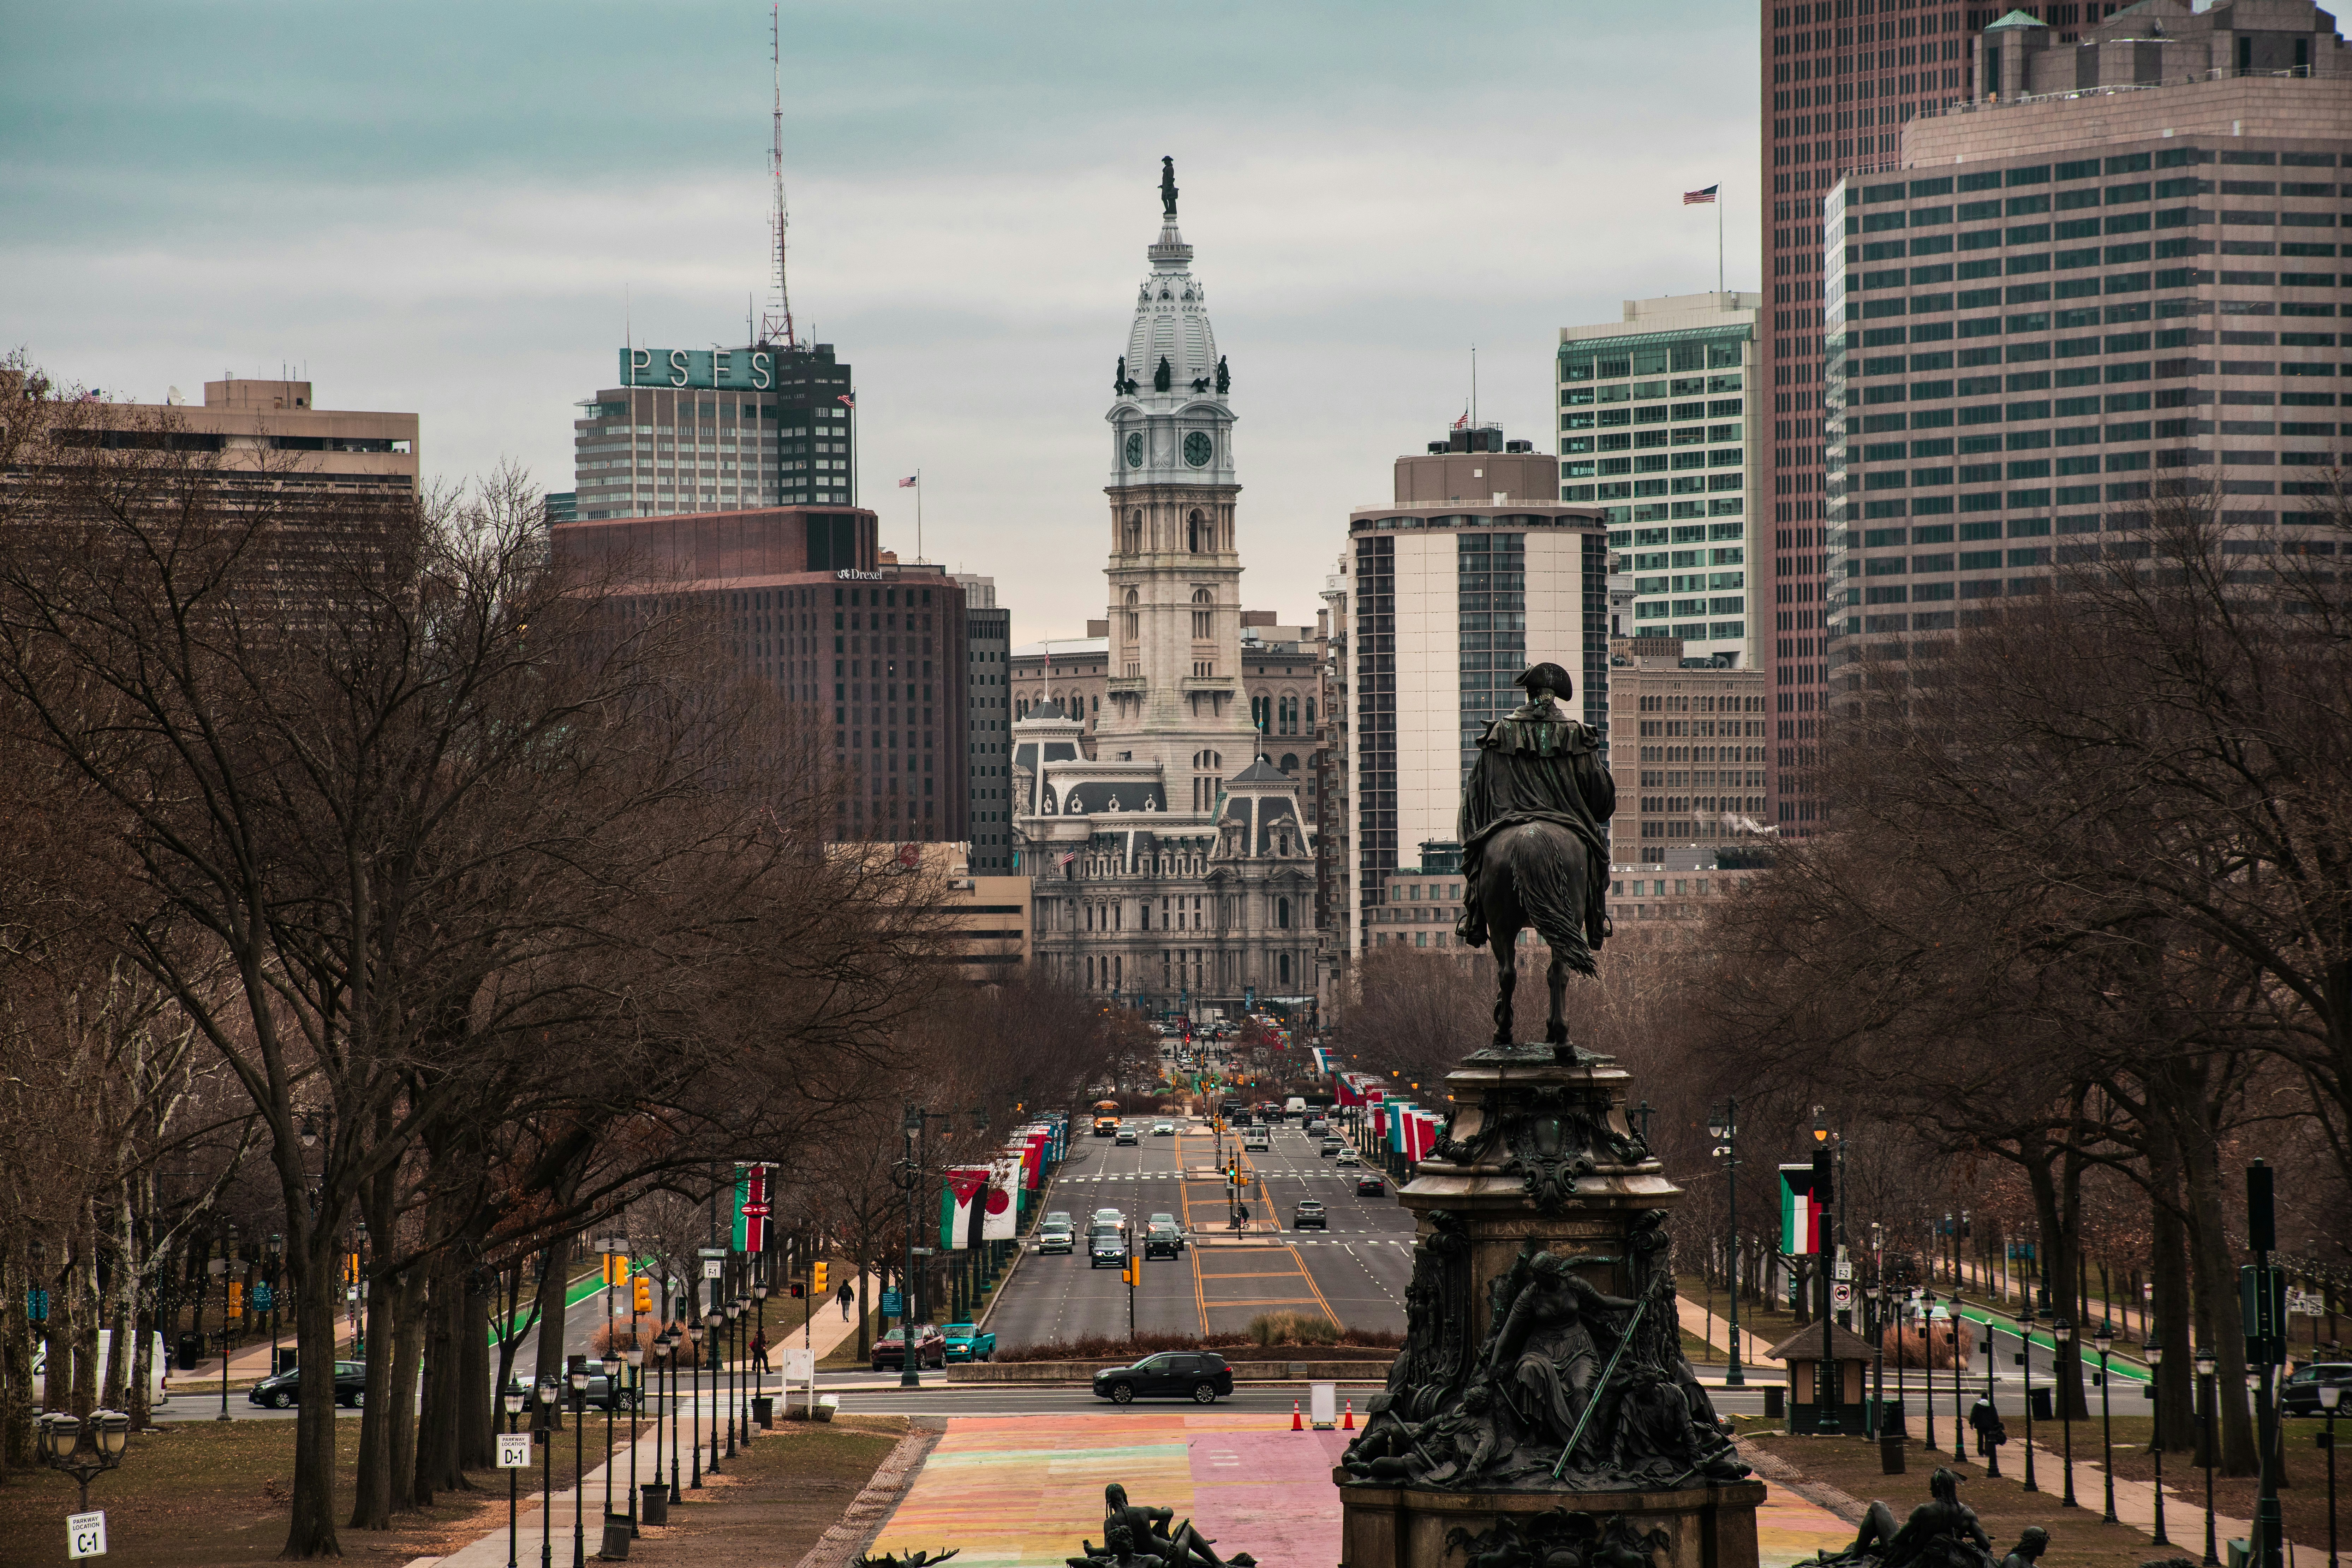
959 1209
1000 1208
752 1208
1800 1217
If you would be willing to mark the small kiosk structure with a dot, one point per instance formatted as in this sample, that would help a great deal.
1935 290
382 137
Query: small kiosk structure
1801 1353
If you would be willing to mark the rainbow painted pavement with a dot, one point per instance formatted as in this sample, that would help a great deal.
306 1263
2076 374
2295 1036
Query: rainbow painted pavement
1021 1492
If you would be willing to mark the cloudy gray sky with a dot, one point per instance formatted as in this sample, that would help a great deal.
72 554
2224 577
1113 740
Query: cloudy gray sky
447 208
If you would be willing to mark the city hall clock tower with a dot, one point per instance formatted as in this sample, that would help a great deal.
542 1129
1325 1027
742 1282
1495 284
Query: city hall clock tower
1174 694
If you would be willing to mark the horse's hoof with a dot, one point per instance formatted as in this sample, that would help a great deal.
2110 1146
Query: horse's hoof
1557 1035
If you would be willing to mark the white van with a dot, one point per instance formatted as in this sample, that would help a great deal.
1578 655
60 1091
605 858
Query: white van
158 1389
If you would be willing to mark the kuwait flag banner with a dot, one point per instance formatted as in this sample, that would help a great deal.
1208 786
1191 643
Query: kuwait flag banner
1000 1209
960 1206
1800 1215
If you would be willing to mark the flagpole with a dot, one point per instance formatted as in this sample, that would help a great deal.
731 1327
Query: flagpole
1719 249
918 475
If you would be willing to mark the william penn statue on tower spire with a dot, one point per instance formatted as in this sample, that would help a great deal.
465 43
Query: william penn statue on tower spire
1168 186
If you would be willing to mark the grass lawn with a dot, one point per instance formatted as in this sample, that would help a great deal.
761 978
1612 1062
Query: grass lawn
196 1493
770 1504
2303 1499
1760 1327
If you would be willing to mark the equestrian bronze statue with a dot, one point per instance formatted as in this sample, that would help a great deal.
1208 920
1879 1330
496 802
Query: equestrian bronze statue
1534 850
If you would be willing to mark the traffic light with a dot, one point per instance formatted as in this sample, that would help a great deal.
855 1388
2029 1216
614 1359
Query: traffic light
817 1277
798 1289
642 1300
616 1268
236 1297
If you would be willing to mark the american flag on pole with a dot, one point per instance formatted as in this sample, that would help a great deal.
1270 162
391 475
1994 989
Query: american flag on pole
1070 857
844 397
1700 198
907 483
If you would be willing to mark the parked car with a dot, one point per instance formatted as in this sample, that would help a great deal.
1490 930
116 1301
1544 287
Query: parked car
1330 1147
1309 1216
930 1347
1371 1186
1162 1241
285 1388
967 1342
1125 1137
1183 1374
1107 1245
1056 1235
2299 1394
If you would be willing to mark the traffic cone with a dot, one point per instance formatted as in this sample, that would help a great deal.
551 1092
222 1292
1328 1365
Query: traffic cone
1348 1423
1296 1424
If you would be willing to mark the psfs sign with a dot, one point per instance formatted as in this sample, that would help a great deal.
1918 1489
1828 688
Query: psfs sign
727 370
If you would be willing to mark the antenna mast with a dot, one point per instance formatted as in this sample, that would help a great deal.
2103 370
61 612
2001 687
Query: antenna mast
776 326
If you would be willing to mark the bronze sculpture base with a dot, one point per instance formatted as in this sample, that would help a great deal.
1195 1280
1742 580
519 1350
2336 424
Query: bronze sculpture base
1407 1527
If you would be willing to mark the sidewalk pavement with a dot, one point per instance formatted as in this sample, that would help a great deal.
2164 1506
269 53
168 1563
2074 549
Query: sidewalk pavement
532 1521
2184 1521
1702 1324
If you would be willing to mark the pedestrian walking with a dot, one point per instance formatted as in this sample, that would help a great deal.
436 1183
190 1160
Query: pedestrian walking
760 1349
847 1295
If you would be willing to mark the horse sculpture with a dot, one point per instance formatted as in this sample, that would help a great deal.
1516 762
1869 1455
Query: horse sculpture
1532 811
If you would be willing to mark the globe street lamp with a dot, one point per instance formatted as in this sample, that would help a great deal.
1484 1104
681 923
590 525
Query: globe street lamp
1915 1314
578 1378
2062 1335
2154 1350
84 1449
636 1359
711 1323
546 1434
669 1342
2329 1393
2208 1395
1723 1128
694 1403
612 1365
2103 1342
2025 1359
734 1364
512 1398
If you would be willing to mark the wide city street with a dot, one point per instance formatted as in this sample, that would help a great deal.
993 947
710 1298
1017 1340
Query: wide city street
1354 1272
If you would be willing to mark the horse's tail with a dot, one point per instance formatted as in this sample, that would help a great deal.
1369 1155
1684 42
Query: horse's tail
1546 888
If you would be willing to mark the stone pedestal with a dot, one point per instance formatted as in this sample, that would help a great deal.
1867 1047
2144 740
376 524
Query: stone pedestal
1541 1322
1405 1527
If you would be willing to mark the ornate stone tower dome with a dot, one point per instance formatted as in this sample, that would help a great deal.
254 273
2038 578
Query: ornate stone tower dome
1169 421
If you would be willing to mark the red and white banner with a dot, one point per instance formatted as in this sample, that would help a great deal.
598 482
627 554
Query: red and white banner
1002 1202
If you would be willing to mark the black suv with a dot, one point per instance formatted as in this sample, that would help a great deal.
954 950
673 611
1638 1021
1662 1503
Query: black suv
1184 1374
1106 1245
285 1388
1309 1216
1163 1241
2299 1394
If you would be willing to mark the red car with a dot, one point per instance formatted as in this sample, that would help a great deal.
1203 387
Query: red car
930 1347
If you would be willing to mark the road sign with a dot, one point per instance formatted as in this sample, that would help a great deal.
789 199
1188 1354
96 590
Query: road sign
713 1267
262 1297
2305 1303
514 1450
920 1251
800 1364
1841 1294
890 1303
86 1534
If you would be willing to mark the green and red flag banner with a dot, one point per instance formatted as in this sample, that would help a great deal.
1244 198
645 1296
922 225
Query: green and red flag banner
1800 1215
960 1206
752 1208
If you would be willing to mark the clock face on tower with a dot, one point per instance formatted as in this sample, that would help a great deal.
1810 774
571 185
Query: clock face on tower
1198 449
1135 450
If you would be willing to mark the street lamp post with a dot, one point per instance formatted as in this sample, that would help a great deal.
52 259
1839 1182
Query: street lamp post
612 1401
2103 1342
732 1360
2329 1393
513 1398
277 1252
1826 1389
1723 1128
546 1435
2258 1537
636 1359
84 1449
2208 1394
2155 1354
578 1378
1917 1310
2025 1360
1877 1428
694 1405
2062 1335
713 1321
1992 1360
669 1342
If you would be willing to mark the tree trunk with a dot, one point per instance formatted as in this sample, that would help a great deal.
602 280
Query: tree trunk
2218 1322
15 1367
477 1402
436 1468
2167 1265
310 1530
555 1265
407 1356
